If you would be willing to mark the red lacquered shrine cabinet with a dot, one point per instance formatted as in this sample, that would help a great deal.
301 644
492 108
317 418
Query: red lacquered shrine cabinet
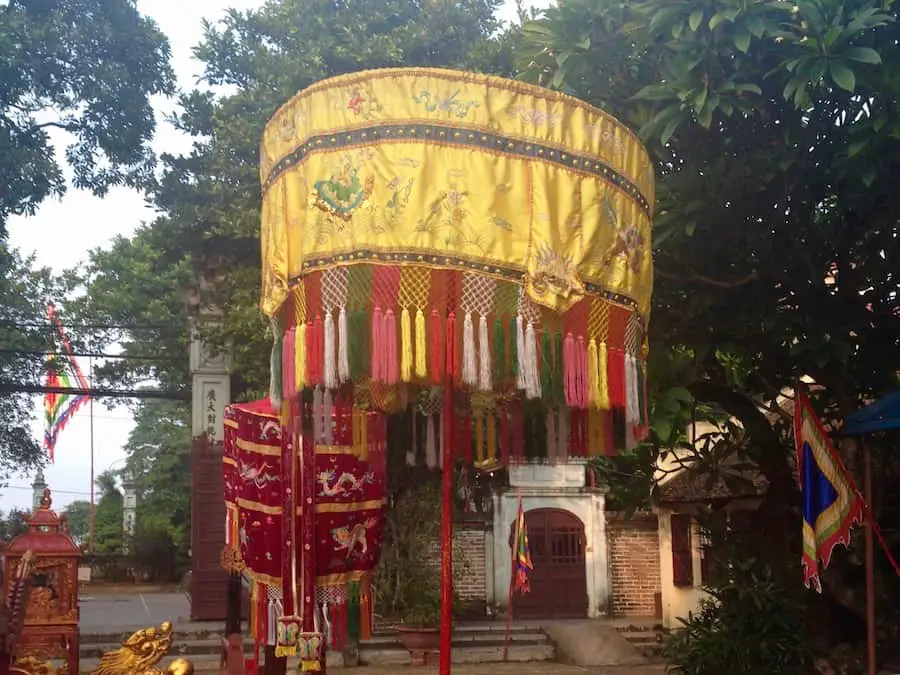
50 631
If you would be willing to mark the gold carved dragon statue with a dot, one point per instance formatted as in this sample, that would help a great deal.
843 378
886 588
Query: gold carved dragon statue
141 652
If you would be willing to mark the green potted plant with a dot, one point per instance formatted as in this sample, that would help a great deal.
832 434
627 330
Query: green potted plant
407 583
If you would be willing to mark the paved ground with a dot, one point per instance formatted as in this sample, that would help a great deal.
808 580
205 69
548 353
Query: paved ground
118 612
513 669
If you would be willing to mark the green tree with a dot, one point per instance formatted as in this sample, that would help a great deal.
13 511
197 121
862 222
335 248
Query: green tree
24 342
108 530
775 133
209 197
78 514
86 67
13 524
159 458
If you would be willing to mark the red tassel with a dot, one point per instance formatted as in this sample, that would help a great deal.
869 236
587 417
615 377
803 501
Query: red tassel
616 372
518 421
581 379
390 346
378 365
609 432
436 350
504 437
450 360
569 361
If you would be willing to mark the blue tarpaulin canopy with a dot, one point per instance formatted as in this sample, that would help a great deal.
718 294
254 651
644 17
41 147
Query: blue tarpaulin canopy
882 415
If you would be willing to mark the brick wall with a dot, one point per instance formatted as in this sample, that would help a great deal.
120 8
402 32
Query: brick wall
633 545
470 558
208 580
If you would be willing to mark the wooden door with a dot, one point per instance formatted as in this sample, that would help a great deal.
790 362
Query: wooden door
557 542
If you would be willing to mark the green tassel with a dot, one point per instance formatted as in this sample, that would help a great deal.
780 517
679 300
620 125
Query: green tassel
276 386
353 612
513 351
354 345
547 389
499 360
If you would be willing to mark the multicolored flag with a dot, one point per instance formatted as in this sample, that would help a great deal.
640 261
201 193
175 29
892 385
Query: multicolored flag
831 502
522 565
62 372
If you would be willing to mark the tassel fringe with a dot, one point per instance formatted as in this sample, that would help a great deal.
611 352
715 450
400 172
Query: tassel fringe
484 358
343 348
421 338
469 364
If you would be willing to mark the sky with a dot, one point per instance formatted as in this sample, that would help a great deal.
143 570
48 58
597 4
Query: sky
62 232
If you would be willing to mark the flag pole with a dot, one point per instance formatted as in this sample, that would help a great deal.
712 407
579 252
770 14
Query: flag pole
446 626
870 560
512 577
91 415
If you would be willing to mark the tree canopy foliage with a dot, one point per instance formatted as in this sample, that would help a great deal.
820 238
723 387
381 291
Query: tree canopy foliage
88 68
209 198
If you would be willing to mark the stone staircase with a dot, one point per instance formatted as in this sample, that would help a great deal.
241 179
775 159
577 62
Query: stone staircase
472 643
647 637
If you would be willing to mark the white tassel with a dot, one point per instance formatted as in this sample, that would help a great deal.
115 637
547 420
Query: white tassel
430 450
469 365
329 376
327 421
328 625
562 435
272 622
520 352
551 437
317 415
274 369
343 354
484 360
532 375
630 390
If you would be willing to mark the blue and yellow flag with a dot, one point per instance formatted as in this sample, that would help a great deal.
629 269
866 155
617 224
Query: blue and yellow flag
63 372
831 502
522 562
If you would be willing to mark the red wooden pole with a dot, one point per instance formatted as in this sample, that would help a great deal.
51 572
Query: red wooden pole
447 527
870 560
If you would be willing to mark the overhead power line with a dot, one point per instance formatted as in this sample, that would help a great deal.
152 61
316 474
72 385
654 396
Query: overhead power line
95 355
92 326
7 387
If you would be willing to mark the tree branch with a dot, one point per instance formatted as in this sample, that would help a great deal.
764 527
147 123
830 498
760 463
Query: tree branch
698 278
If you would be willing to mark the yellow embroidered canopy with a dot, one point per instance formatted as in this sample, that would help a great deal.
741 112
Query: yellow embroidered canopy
420 222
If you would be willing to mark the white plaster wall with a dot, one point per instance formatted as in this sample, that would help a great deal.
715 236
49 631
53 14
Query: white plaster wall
589 505
677 601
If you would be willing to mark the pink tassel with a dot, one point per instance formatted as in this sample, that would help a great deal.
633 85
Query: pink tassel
288 379
392 363
570 370
378 365
581 380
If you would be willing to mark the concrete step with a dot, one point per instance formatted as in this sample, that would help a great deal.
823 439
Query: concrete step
471 644
647 638
205 663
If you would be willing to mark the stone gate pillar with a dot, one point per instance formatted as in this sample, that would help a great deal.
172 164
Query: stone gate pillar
211 392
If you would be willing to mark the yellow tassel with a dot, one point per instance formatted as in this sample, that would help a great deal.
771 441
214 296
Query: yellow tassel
300 356
406 346
603 402
285 413
282 651
593 367
310 666
421 368
491 438
479 438
363 436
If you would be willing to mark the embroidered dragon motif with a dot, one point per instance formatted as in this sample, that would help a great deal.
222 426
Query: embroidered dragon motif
259 476
352 538
338 486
